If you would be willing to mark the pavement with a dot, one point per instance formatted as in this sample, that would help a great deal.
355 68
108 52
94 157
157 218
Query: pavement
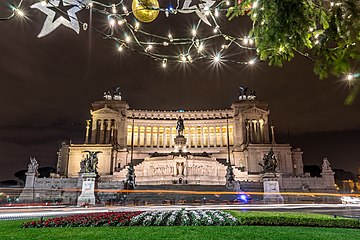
26 212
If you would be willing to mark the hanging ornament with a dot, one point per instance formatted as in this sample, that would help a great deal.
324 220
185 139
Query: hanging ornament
53 8
199 7
145 10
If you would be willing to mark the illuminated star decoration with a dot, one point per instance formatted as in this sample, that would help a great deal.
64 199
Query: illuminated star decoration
51 23
198 7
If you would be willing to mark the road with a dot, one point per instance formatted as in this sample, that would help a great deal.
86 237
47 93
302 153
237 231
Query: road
11 213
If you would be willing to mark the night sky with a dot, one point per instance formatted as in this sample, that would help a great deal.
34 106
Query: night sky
47 86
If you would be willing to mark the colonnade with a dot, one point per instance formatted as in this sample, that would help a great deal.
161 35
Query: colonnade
197 136
255 131
103 131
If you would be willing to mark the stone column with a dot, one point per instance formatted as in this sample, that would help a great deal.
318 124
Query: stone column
189 139
93 130
202 137
151 136
157 137
208 136
87 131
138 136
258 133
273 135
108 131
170 138
196 137
215 136
262 132
221 137
251 127
145 132
247 127
102 126
164 137
112 132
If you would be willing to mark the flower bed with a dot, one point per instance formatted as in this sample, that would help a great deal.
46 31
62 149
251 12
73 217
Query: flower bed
150 218
184 218
85 220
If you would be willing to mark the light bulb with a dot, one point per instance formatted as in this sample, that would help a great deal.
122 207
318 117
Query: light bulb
170 37
127 39
193 32
251 62
350 77
164 62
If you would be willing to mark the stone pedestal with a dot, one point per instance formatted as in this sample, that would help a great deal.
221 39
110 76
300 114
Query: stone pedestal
180 144
271 188
28 193
87 195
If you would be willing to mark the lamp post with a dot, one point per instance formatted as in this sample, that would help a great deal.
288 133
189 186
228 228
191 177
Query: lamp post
228 138
132 140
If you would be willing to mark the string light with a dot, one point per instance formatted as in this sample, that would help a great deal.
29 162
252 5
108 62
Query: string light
148 48
201 48
112 22
164 62
137 25
121 47
114 9
193 32
170 37
251 62
140 37
216 13
127 39
350 77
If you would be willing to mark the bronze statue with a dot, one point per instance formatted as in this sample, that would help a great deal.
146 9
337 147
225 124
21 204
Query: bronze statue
91 161
270 162
180 126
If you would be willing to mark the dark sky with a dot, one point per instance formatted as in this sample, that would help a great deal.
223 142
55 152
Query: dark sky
47 86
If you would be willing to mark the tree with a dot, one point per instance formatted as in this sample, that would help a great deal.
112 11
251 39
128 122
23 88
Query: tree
327 33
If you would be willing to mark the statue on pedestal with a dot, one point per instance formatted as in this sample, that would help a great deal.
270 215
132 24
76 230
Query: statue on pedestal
326 166
33 166
117 94
269 162
107 95
180 126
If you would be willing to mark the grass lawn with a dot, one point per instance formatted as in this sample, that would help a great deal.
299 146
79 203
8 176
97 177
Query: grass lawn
12 230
